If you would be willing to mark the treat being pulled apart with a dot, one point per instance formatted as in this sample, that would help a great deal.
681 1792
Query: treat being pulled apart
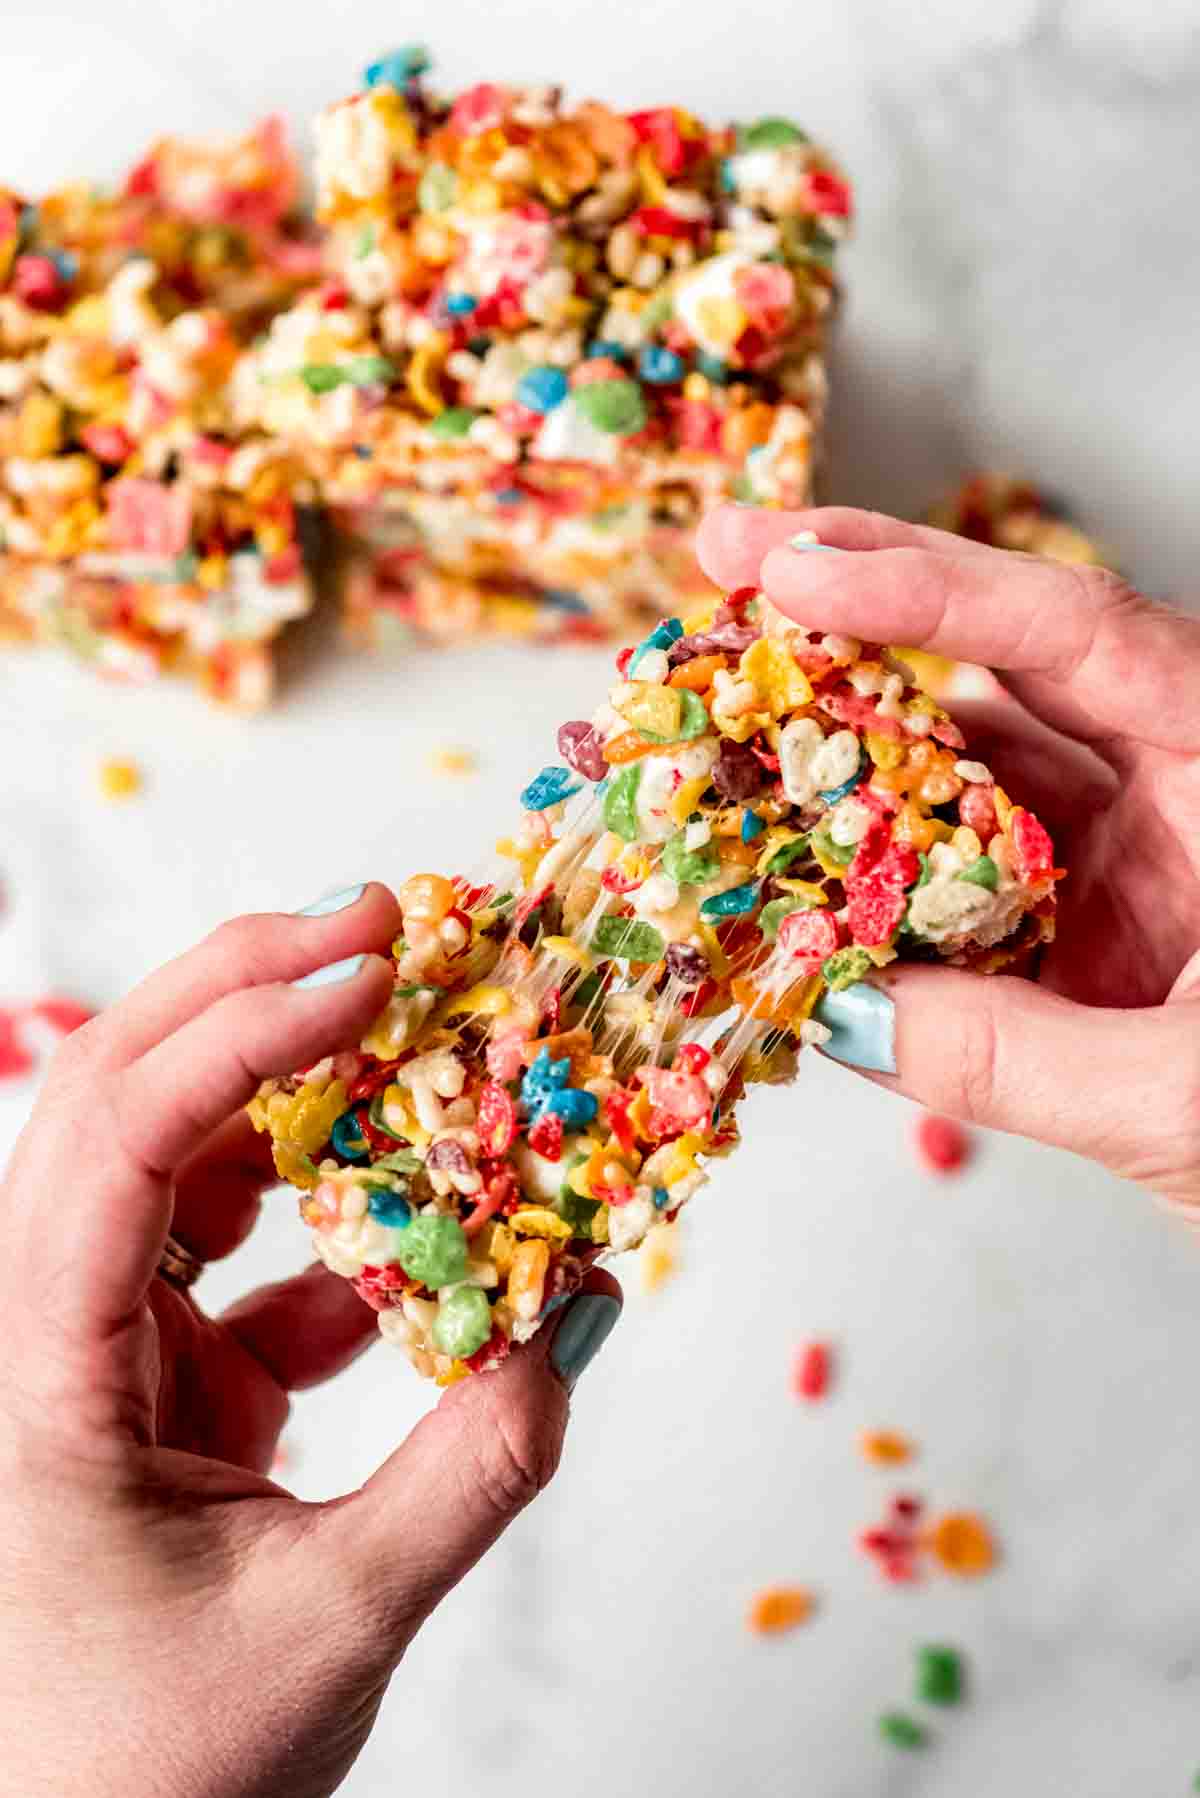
756 814
552 335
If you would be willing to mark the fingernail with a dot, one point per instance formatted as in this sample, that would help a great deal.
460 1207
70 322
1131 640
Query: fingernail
807 541
324 908
333 973
863 1022
586 1326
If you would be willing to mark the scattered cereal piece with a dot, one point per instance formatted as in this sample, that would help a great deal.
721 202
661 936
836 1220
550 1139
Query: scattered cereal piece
963 1544
119 779
454 761
902 1731
15 1059
942 1144
939 1675
885 1448
812 1370
63 1015
779 1608
659 1260
893 1544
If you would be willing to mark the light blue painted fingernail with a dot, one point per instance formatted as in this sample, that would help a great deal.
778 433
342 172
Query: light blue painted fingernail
863 1021
586 1326
324 908
333 973
802 543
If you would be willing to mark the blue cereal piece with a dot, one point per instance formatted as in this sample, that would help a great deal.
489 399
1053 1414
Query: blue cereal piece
752 825
662 1198
541 389
661 637
398 67
732 903
458 305
548 788
660 366
575 1107
542 1080
388 1207
347 1138
604 346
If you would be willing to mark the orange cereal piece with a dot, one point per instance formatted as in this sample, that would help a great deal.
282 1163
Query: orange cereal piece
779 1608
962 1542
885 1448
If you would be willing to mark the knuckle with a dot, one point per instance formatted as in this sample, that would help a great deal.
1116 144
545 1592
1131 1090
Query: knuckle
515 1460
244 945
977 1064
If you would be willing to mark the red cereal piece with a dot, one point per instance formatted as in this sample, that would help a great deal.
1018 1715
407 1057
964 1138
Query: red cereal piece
812 1370
546 1136
15 1059
874 909
977 809
828 195
64 1015
498 1193
942 1144
1033 852
693 1058
807 938
497 1120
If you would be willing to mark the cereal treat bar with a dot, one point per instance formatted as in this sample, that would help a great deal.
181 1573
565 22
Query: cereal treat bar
222 222
137 524
551 336
756 814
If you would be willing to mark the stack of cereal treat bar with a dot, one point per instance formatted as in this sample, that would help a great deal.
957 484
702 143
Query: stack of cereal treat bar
137 524
549 336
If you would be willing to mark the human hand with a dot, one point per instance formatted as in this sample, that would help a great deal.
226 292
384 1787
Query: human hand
170 1620
1095 724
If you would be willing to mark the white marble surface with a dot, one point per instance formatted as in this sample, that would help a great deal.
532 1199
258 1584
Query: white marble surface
1024 289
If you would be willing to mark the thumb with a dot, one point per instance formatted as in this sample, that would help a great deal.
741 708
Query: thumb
469 1468
1119 1086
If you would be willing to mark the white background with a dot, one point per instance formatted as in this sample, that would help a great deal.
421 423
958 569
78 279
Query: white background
1023 291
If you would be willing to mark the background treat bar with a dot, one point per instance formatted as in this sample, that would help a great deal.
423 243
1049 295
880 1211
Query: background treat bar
1007 513
756 815
137 525
549 337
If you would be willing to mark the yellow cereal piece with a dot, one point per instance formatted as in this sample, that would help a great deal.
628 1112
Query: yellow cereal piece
650 707
771 667
699 621
527 1279
526 859
721 319
808 890
453 761
657 1259
599 1225
482 1001
650 176
509 612
1003 805
457 1371
499 1246
685 801
681 1160
305 1118
540 1221
294 1166
39 424
120 779
825 862
567 950
401 1119
885 752
718 961
424 371
776 838
696 386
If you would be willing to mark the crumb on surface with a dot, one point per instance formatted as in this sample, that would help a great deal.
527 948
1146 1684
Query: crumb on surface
779 1608
454 761
120 779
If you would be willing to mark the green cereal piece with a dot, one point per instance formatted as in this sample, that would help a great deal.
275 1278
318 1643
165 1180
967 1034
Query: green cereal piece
433 1250
369 371
841 853
463 1322
982 873
321 377
576 1210
620 802
627 939
786 855
437 188
772 915
454 421
939 1675
618 407
689 867
902 1731
846 967
770 134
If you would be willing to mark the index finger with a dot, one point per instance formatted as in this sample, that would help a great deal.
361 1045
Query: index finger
1130 665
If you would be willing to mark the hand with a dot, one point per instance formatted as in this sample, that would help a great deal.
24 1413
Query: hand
170 1620
1096 726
